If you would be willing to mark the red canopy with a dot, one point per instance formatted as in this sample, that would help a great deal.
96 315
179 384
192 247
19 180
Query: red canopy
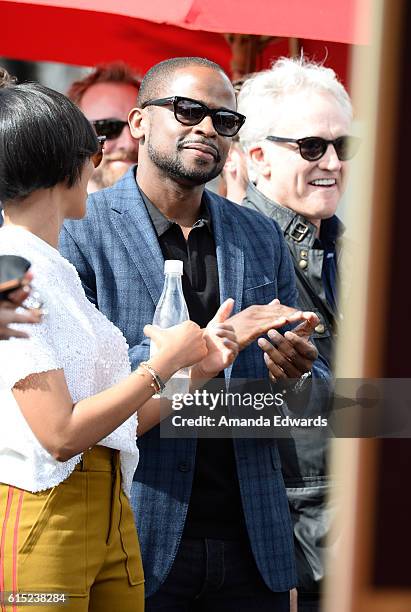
318 19
86 32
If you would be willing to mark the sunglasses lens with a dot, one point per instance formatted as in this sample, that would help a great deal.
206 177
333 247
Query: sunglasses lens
312 149
226 123
110 128
189 112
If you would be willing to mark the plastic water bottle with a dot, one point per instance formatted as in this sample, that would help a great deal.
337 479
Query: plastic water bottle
172 310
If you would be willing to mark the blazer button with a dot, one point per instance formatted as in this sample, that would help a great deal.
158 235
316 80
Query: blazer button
303 264
184 467
320 329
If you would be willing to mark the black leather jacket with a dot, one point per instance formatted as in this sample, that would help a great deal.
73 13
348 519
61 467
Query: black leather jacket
304 458
308 262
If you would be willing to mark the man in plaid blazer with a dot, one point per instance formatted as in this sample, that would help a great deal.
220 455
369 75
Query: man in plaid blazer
212 516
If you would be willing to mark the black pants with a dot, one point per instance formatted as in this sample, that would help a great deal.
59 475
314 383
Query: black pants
215 576
308 602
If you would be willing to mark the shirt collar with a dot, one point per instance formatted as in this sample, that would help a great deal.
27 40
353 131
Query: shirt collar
162 224
287 219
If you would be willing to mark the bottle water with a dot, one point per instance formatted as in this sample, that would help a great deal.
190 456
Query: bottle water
172 310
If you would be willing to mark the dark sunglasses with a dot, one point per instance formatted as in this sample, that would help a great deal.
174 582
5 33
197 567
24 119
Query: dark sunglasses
192 112
97 157
110 128
313 148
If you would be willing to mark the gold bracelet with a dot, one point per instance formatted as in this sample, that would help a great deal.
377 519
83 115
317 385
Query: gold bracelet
157 383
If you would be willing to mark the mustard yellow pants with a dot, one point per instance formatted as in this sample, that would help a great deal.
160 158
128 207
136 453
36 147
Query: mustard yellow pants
74 544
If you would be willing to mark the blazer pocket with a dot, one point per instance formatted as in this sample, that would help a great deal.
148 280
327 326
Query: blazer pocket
261 294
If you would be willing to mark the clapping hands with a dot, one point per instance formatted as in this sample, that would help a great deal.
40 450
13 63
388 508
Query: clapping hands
222 345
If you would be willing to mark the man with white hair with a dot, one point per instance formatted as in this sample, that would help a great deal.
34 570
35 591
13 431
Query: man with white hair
297 140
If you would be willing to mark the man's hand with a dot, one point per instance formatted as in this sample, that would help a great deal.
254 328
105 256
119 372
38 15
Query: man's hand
222 345
291 355
255 320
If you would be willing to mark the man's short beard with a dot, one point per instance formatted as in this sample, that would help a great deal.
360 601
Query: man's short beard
174 167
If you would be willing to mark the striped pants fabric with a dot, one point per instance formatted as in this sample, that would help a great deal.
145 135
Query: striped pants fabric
73 547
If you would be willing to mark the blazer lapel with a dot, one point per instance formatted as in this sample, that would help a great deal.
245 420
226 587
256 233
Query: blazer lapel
133 225
230 255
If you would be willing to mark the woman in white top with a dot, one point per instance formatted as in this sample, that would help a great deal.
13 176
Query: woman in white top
68 401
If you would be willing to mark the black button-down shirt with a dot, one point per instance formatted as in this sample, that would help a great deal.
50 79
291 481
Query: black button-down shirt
215 508
198 254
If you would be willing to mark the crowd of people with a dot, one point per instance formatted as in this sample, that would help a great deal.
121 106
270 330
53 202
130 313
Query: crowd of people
223 523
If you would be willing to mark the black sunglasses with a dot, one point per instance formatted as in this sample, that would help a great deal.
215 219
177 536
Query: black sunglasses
98 156
110 128
313 148
192 112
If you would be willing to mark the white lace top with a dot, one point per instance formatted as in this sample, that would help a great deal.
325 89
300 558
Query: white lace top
73 336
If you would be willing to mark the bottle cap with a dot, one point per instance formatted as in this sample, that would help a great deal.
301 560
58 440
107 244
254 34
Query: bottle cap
173 266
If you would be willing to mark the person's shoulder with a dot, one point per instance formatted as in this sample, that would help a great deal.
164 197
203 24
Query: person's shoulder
124 189
17 241
118 197
244 216
235 210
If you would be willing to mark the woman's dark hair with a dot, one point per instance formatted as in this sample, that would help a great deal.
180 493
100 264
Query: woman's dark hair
44 139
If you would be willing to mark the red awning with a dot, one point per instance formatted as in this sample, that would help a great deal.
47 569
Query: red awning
318 19
86 32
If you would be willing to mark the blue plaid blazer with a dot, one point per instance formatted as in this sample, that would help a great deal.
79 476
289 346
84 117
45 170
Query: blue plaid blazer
117 255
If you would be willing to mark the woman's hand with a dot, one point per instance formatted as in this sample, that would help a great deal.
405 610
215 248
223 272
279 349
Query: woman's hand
181 345
222 345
